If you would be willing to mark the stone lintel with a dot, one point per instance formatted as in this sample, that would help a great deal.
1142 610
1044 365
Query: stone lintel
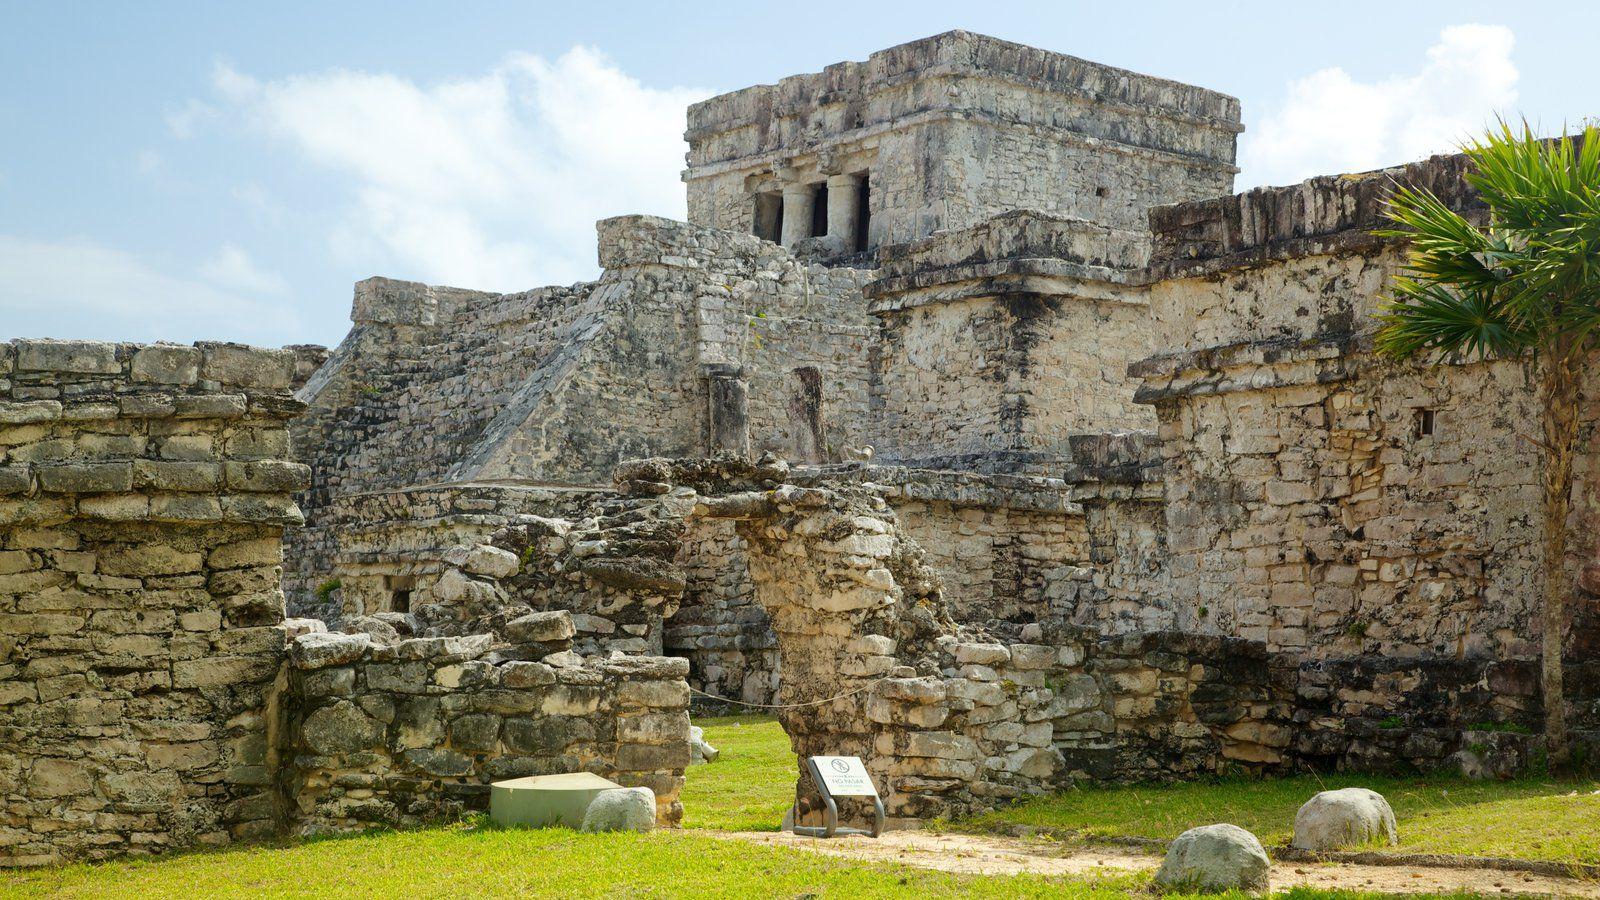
1055 278
866 138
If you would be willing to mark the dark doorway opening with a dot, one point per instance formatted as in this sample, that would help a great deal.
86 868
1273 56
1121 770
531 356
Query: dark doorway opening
769 216
400 588
863 213
819 212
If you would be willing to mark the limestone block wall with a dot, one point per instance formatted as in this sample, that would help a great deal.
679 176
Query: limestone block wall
957 127
415 732
1002 341
389 546
1003 376
1001 722
720 627
1391 714
1317 497
953 720
144 491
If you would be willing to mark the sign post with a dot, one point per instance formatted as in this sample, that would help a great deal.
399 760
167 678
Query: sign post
841 776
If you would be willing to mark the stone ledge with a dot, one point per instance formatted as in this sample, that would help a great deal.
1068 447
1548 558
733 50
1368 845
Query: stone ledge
958 54
1327 214
205 362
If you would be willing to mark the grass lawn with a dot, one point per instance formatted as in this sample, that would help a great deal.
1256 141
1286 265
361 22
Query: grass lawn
749 787
462 861
751 784
1528 819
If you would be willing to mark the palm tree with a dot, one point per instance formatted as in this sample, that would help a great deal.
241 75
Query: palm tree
1525 285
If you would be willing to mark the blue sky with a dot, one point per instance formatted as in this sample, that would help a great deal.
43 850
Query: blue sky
204 170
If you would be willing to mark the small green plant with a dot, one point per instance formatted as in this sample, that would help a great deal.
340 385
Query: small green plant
1392 723
1508 727
367 390
325 590
1357 630
1205 611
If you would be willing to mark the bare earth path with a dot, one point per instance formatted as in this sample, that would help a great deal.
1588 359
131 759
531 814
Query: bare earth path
979 854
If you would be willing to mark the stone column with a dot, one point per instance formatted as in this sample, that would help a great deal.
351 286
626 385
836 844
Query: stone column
798 200
844 198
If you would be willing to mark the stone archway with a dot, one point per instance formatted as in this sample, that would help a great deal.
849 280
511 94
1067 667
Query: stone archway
871 664
949 720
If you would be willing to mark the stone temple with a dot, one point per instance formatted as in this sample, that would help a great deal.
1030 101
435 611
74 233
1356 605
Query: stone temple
970 419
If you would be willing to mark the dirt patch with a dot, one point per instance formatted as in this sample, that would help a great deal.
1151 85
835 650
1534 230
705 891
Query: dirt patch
983 855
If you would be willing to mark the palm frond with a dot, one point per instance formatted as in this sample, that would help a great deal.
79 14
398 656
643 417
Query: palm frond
1531 274
1422 317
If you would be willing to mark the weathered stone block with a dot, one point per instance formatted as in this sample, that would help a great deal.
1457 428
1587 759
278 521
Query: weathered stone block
341 727
322 649
475 732
251 367
541 627
653 757
659 694
166 364
83 357
654 728
85 478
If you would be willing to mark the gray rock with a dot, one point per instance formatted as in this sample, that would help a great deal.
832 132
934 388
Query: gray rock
381 632
293 627
701 752
1214 859
540 627
404 624
341 728
319 649
1344 818
621 809
492 562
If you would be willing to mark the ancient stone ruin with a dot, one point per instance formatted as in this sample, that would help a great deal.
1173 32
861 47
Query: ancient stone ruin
969 423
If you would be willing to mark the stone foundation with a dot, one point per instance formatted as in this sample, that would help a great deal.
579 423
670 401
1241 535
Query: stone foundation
415 732
143 497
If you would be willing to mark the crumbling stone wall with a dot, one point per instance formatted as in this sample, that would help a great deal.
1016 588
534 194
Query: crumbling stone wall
1395 714
949 719
144 490
391 545
551 388
720 626
1318 497
414 732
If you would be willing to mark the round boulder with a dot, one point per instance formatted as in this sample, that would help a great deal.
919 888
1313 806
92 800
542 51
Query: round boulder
621 809
1213 859
1344 818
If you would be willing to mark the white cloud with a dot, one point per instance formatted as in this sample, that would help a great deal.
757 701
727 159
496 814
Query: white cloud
491 182
184 121
1332 123
233 268
80 289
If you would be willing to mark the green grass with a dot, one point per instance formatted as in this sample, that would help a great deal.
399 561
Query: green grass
1527 819
751 784
749 788
464 861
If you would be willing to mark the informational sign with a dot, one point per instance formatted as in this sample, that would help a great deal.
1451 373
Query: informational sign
844 776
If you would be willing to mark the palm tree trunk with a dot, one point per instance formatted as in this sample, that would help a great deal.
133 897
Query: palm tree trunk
1558 393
